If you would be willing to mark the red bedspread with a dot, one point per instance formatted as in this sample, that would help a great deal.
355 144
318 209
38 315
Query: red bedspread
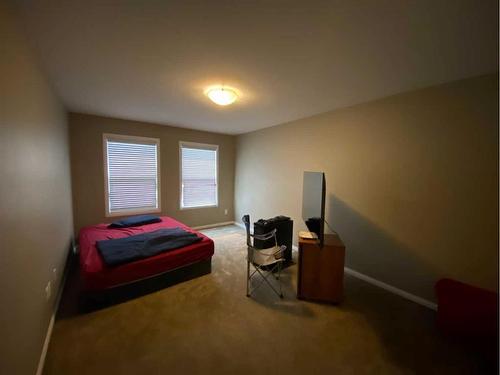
96 275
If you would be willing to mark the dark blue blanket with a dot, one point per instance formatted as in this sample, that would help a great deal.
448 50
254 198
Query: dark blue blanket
123 250
134 221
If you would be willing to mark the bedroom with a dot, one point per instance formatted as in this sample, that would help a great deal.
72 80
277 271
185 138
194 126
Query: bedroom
400 115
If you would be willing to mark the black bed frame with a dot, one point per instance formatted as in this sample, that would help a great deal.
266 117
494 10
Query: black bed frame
94 300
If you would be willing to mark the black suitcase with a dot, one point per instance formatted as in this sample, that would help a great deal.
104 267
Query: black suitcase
284 233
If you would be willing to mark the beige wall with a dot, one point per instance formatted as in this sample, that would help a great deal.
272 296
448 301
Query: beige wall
88 175
35 201
411 181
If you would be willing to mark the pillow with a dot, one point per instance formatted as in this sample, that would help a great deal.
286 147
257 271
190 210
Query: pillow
134 221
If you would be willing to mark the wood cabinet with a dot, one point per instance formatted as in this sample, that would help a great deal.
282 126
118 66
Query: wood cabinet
321 270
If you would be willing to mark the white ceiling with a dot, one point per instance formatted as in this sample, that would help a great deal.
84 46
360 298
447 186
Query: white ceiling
151 60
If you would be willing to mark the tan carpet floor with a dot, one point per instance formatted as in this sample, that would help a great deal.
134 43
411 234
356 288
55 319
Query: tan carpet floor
208 326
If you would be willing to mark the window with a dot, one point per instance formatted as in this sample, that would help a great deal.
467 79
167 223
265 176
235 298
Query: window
198 175
131 174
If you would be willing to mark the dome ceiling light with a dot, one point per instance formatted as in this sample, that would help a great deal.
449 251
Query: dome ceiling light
222 95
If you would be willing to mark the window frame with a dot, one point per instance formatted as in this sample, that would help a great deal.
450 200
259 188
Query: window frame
201 146
131 139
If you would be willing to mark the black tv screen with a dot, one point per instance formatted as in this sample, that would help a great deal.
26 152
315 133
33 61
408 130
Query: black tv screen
313 203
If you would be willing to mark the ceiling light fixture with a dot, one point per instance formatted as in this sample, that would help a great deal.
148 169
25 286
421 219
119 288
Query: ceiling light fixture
222 95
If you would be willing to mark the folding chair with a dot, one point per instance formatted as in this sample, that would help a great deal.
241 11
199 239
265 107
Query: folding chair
265 261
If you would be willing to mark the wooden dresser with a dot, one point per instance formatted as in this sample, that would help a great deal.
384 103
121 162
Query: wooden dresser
321 270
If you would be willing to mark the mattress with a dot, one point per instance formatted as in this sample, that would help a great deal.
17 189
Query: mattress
97 276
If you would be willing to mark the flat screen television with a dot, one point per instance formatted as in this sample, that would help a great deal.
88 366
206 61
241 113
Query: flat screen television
313 203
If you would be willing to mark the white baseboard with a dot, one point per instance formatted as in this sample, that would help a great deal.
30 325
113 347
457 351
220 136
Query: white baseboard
214 225
392 289
241 225
387 287
45 348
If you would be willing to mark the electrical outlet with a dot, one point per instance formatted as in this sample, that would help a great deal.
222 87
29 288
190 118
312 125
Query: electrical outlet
48 291
225 211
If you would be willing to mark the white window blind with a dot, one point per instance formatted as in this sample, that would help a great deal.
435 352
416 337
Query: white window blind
132 178
198 175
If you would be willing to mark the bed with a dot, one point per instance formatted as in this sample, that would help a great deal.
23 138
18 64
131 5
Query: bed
97 276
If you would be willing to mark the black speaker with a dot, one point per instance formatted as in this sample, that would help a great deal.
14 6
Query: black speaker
284 233
314 225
